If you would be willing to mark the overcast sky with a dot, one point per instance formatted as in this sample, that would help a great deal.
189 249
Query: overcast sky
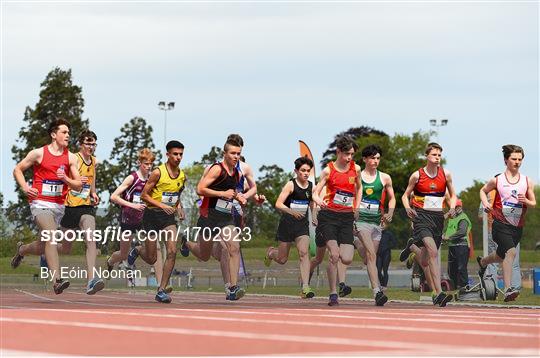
280 72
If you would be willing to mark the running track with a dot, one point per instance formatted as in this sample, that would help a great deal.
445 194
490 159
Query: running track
130 323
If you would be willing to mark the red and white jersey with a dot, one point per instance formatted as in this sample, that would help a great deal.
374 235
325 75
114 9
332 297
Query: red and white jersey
506 208
50 188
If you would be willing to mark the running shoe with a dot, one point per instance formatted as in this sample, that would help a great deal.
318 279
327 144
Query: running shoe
380 299
163 297
60 285
109 267
333 300
267 259
168 289
344 290
410 260
184 250
308 293
95 285
16 260
132 256
406 251
235 293
482 270
442 299
510 294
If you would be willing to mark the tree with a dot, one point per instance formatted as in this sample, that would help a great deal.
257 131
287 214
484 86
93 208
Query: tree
58 97
354 133
215 155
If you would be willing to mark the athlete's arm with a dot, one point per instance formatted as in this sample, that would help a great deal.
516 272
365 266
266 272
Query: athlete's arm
117 198
248 174
203 186
413 179
320 185
489 186
391 197
93 192
148 187
180 208
451 192
358 196
280 202
74 182
33 157
529 198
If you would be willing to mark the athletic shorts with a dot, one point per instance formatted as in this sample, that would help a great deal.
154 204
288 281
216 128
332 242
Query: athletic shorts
374 231
73 214
215 219
40 207
428 224
336 226
505 236
157 219
289 229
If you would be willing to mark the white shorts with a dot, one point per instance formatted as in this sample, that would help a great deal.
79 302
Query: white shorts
373 231
40 207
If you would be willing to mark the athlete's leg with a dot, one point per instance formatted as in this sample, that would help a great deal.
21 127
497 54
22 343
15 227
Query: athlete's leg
221 254
302 244
281 253
121 254
371 258
507 264
202 248
227 234
158 265
148 251
88 225
333 259
422 258
434 268
170 246
46 221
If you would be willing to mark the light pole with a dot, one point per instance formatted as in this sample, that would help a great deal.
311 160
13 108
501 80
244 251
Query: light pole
165 107
437 124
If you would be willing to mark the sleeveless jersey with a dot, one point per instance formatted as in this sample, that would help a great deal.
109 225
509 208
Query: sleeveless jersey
49 187
429 192
133 195
300 198
340 188
167 189
506 208
371 204
223 182
82 197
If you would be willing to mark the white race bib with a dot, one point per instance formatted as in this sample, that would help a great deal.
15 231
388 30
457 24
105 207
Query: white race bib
371 206
299 205
433 202
169 198
343 198
512 212
84 193
136 198
225 206
52 188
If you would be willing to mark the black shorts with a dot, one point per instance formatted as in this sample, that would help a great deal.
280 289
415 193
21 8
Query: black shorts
428 224
336 226
289 229
215 219
506 236
72 215
157 219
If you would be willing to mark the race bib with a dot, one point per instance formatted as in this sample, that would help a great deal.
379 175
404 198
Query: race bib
136 198
344 198
433 202
84 193
512 212
225 206
371 206
52 188
299 205
169 198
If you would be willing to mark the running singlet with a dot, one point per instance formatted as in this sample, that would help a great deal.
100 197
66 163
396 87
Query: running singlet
167 189
49 187
506 208
340 188
429 192
133 195
223 182
82 197
372 199
300 198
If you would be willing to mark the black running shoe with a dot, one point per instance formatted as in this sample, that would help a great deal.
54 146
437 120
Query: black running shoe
60 285
16 260
184 250
510 294
344 290
447 298
333 301
482 270
406 251
380 299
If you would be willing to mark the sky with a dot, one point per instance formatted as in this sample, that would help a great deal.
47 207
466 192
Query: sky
279 72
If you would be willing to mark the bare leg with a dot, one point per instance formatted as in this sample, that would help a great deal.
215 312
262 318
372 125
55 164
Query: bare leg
170 245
